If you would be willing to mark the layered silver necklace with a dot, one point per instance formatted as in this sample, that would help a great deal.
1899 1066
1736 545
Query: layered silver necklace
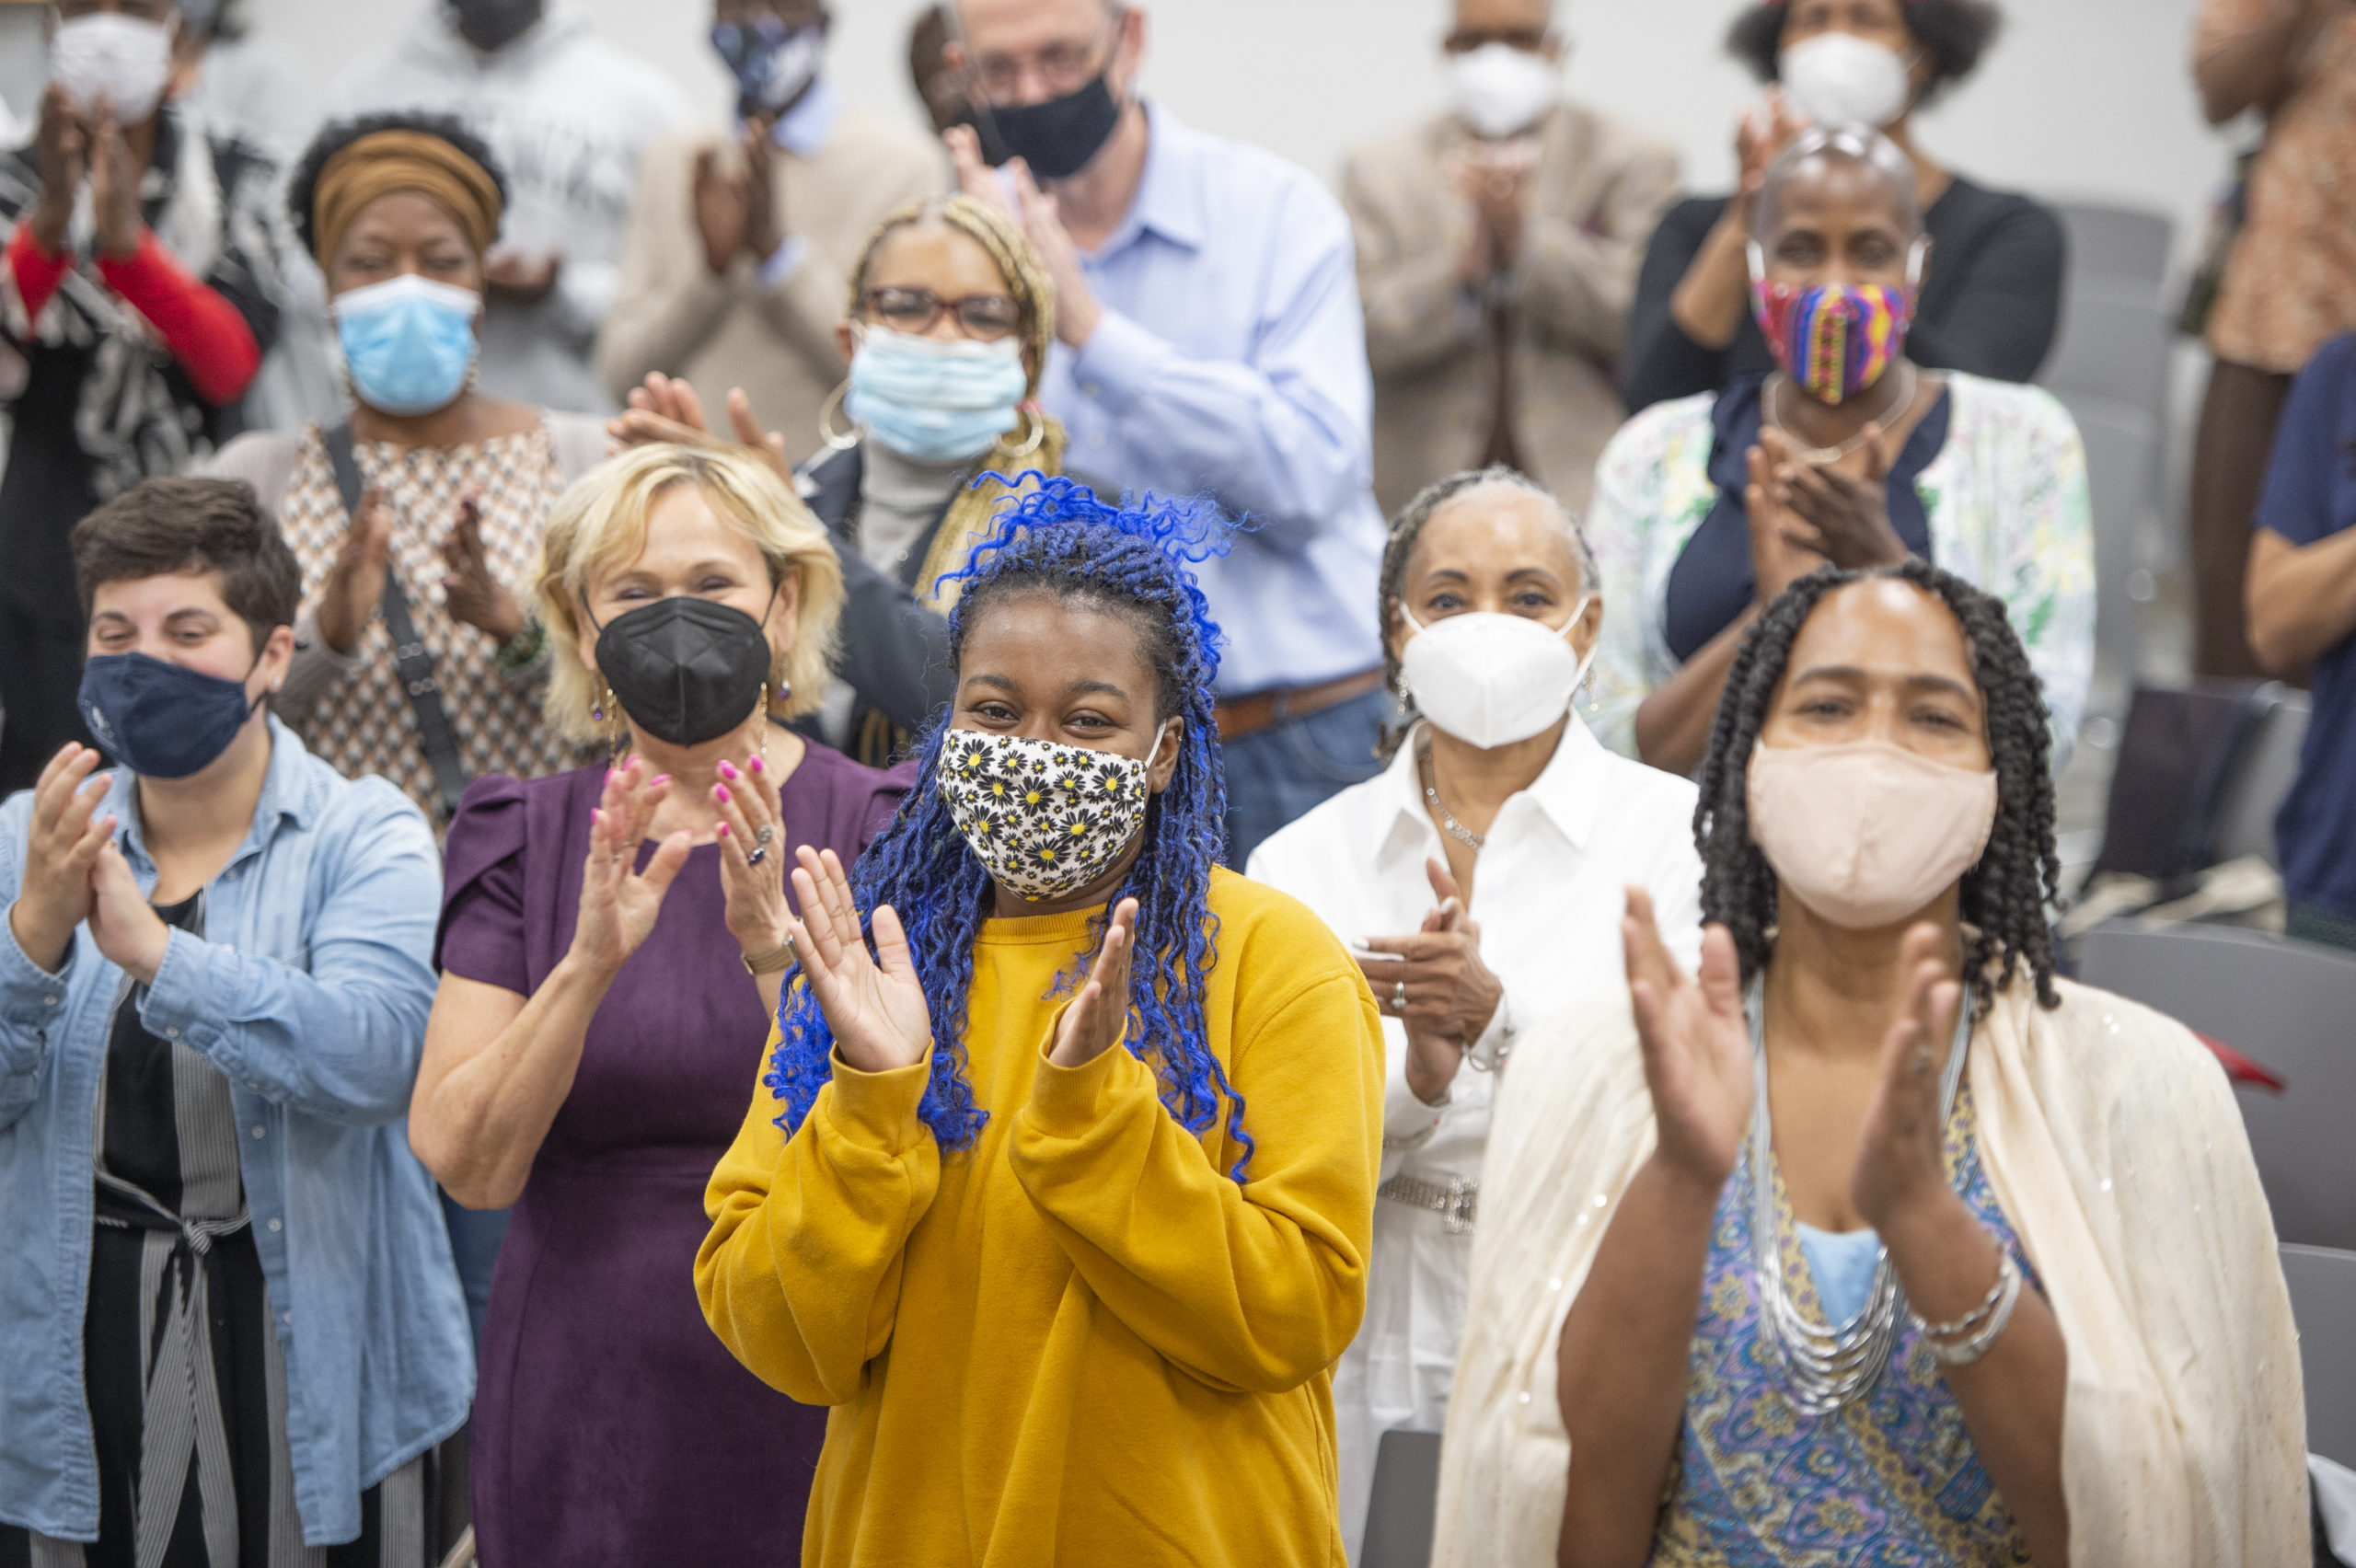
1825 1367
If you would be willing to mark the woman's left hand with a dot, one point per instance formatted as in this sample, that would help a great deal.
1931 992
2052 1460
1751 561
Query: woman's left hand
752 855
123 924
1450 992
114 190
1900 1177
1095 1020
474 595
1842 517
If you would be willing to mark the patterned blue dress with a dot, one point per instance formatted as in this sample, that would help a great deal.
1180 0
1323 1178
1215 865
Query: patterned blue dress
1889 1481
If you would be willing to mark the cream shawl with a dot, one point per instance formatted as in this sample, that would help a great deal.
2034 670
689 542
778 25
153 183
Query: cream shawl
2112 1141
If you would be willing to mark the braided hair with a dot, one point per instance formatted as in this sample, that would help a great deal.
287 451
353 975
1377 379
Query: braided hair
1128 561
2005 898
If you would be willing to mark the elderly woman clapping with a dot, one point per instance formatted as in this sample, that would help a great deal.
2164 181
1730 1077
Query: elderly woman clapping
1875 1241
613 945
1481 879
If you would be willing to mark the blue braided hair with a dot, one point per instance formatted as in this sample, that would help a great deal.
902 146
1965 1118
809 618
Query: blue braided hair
1131 561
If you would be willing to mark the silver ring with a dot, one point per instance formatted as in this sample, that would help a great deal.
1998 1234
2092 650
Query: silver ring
1399 996
618 856
761 839
757 857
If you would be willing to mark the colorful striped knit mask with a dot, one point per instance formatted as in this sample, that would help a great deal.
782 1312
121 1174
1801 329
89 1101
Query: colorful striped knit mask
1835 340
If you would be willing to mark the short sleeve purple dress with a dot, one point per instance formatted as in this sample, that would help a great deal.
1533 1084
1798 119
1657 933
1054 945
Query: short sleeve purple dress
611 1426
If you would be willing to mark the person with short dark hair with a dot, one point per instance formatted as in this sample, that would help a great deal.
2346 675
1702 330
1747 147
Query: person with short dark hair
1875 1239
138 293
1846 450
1991 287
231 1319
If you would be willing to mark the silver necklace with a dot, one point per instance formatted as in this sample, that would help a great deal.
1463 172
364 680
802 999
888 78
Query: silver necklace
1448 821
1821 455
1825 1368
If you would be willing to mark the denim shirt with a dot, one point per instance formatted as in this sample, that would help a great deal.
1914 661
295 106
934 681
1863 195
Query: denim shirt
310 993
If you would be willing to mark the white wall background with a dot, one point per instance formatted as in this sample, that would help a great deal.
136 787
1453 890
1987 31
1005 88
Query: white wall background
2081 97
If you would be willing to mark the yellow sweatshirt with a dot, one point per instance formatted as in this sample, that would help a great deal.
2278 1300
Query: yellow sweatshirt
1078 1341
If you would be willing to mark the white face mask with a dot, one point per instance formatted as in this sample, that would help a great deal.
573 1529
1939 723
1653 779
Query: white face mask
1498 90
1838 78
1490 679
107 55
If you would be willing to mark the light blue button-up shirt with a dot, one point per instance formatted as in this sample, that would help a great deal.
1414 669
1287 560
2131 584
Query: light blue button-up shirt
1231 359
309 990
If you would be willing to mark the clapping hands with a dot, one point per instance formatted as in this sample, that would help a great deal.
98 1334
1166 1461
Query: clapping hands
874 1004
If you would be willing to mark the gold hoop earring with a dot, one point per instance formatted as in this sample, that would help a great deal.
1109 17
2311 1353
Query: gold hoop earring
835 441
1037 425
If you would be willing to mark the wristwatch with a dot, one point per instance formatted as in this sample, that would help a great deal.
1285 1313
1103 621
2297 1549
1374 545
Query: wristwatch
780 957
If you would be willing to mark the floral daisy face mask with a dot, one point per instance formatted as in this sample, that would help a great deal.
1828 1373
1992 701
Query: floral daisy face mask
1045 818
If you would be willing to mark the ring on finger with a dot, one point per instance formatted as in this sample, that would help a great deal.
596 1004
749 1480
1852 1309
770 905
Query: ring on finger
757 857
761 839
1399 996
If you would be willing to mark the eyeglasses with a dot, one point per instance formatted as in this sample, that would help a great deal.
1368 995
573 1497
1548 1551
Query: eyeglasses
1063 68
1530 41
986 317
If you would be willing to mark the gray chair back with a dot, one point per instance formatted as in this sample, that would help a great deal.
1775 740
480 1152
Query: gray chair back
2106 241
2115 343
2270 765
2290 1004
2323 1300
1400 1515
2122 446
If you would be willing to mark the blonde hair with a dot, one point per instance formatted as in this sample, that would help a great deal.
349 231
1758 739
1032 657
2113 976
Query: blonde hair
600 525
1026 276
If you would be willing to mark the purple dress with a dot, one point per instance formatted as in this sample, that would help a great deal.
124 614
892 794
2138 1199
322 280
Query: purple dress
610 1425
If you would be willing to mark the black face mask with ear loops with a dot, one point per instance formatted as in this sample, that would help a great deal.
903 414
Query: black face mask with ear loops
686 670
494 24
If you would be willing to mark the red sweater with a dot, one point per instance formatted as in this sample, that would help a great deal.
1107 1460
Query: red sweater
204 333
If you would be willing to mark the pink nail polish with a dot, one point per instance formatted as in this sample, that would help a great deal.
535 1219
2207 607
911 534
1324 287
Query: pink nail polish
719 793
756 766
659 779
723 830
727 771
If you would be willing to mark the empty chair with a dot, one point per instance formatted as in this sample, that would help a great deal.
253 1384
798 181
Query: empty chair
2115 342
2268 766
2122 446
2323 1302
1406 1492
2290 1004
2110 241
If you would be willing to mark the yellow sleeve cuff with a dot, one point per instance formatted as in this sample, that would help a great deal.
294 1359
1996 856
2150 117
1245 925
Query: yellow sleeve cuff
877 1111
1067 1102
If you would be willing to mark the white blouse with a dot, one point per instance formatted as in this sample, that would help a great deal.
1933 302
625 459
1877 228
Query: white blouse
1548 896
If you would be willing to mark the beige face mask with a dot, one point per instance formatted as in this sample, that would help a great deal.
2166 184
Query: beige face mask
1868 834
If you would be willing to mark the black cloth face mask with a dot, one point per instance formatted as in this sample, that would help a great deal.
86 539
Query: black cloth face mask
1058 137
686 670
494 24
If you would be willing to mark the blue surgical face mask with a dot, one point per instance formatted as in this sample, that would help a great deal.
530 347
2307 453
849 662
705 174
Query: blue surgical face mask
935 399
407 341
773 63
161 720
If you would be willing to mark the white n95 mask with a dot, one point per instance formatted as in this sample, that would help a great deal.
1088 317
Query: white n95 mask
1498 90
1840 79
1491 679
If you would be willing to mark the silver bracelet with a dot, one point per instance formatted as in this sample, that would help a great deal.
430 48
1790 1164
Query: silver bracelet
1970 1320
1963 1353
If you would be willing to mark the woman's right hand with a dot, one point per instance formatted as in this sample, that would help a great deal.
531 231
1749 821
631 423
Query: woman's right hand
61 847
1778 555
62 154
876 1006
618 904
1696 1043
356 584
1765 130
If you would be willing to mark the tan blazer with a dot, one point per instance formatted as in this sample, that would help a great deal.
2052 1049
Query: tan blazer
778 344
1598 191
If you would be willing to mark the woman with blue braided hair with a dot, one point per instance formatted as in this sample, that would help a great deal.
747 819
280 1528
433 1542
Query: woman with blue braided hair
1062 1193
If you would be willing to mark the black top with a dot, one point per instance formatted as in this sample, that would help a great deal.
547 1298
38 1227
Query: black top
1712 582
894 649
1991 300
145 1106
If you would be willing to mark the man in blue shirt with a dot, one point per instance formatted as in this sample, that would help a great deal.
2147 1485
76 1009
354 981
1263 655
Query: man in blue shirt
1210 340
2301 594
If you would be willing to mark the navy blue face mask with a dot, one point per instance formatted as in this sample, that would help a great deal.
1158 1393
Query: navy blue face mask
161 720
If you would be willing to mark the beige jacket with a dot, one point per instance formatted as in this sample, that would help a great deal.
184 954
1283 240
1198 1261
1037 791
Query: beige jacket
1597 192
778 344
2111 1137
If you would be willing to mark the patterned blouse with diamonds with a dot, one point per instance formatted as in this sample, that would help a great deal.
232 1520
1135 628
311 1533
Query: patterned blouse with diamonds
364 722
